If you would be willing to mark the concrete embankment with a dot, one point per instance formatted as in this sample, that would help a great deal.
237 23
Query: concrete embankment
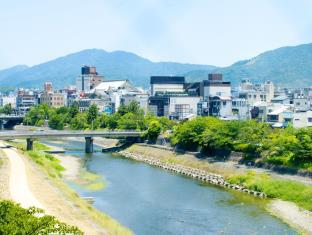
193 173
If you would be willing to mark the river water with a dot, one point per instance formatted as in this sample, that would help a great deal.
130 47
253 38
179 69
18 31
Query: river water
152 201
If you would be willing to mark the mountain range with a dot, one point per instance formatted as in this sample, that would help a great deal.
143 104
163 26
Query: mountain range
286 66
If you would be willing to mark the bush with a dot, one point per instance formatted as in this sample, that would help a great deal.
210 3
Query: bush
17 220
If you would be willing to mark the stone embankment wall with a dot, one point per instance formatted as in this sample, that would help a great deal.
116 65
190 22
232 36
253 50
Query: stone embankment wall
193 173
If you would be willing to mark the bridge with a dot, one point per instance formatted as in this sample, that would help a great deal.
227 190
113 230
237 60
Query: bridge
30 136
9 121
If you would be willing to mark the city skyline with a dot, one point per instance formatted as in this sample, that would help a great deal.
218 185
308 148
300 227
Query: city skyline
217 33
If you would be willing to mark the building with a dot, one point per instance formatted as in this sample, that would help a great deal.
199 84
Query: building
11 99
301 102
88 79
281 100
172 97
53 99
254 93
47 87
165 84
302 119
240 109
215 86
26 98
174 106
121 91
217 99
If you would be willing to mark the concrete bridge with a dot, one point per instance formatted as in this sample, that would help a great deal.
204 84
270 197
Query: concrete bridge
9 121
30 136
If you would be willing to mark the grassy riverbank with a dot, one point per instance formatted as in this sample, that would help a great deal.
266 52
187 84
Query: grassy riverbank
275 188
52 168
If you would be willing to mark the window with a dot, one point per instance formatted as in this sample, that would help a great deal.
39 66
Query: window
224 103
309 119
182 109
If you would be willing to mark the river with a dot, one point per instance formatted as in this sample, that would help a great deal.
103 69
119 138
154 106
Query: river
152 201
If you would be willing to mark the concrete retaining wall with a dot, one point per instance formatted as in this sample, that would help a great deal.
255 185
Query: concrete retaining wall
193 173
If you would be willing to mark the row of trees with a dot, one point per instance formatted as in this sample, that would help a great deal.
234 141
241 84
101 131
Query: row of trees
288 146
128 117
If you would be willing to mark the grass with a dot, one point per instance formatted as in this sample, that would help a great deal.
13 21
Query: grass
51 166
91 181
275 188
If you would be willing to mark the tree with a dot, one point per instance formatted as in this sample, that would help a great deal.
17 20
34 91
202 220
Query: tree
92 114
56 122
128 121
112 121
153 131
73 110
7 109
132 107
17 220
188 134
79 122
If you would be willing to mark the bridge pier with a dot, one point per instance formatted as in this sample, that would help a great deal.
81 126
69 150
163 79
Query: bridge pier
29 145
1 125
89 145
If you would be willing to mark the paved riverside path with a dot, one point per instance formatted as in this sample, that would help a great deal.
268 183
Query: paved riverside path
18 183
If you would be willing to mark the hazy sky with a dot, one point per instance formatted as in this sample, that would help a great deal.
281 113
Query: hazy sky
217 32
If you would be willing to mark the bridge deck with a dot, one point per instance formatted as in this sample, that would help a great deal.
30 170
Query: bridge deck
5 135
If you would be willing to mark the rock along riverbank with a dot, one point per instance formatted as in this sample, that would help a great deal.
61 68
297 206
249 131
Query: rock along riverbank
194 173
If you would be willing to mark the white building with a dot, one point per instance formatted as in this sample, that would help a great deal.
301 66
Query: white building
120 91
4 100
167 84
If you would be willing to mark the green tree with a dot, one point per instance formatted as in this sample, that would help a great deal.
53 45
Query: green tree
79 122
56 122
129 121
92 115
17 220
112 121
7 109
73 110
153 131
188 134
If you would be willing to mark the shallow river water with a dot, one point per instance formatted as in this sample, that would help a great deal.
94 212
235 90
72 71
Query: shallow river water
152 201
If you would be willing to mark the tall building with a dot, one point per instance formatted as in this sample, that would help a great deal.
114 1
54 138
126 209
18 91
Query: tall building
88 79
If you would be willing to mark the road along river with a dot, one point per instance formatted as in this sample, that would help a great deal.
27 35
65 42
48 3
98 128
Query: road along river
152 201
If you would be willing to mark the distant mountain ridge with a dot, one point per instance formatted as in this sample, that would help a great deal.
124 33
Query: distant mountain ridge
113 65
286 66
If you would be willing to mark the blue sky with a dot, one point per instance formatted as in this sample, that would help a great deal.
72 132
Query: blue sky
217 32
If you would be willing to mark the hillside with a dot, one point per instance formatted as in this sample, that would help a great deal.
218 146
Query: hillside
113 65
286 66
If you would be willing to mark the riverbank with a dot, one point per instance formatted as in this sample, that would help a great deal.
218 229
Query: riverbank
282 209
61 201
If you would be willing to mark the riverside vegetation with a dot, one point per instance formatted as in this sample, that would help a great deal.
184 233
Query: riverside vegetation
258 142
51 166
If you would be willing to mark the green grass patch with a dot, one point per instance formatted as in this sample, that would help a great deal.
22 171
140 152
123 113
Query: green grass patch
51 164
91 181
287 190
